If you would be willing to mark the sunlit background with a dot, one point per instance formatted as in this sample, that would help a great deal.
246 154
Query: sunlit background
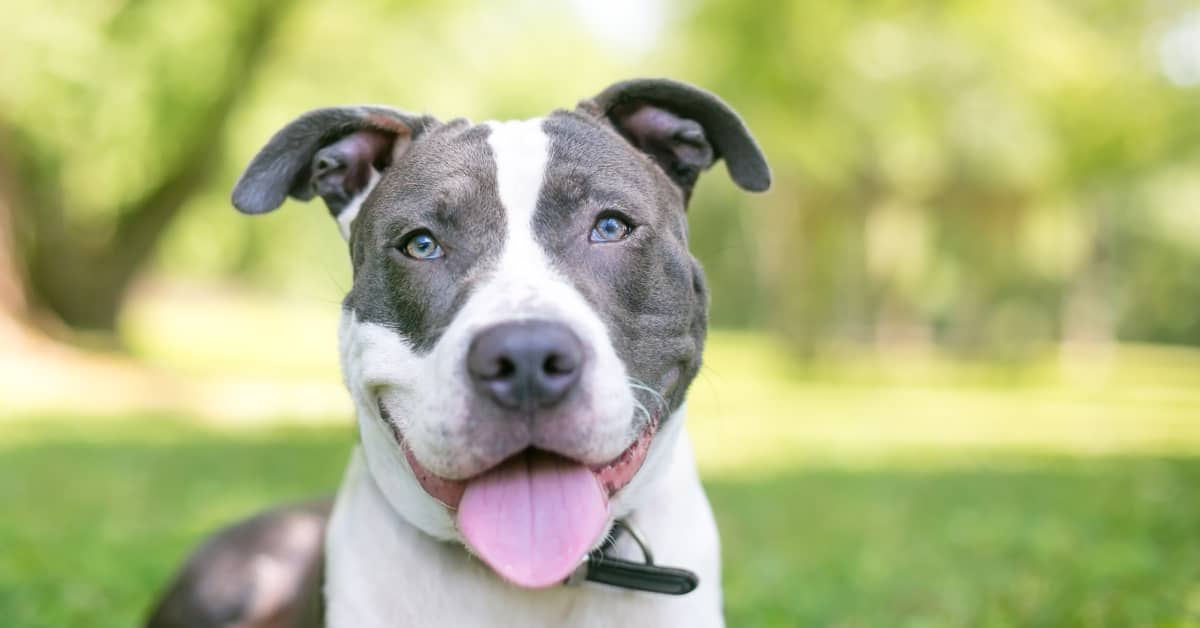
954 377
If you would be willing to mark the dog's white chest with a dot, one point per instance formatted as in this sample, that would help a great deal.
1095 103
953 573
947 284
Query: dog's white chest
382 572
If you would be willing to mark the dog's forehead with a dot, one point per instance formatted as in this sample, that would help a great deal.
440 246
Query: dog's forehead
447 166
583 142
591 160
454 165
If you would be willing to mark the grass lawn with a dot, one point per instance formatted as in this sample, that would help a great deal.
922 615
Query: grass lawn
905 492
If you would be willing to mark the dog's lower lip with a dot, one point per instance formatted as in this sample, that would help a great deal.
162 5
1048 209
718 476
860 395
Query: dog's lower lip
612 475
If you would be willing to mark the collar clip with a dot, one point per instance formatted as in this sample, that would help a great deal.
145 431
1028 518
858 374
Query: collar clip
599 566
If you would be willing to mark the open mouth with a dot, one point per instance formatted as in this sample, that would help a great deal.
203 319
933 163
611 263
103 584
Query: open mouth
536 514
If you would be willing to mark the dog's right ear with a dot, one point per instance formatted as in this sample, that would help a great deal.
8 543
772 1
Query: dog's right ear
336 153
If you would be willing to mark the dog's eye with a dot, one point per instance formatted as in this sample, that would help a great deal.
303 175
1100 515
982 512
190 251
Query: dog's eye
422 246
610 228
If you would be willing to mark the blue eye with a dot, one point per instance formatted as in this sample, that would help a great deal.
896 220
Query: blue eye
610 229
422 246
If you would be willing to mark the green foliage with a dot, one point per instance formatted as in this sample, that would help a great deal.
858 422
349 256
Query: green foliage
109 94
976 173
983 175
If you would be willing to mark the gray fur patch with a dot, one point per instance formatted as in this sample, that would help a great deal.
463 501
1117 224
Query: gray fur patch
647 288
446 183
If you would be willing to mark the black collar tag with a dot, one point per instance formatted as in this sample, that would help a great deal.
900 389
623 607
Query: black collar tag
602 568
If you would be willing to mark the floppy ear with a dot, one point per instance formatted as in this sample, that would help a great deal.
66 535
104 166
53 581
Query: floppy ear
336 153
684 129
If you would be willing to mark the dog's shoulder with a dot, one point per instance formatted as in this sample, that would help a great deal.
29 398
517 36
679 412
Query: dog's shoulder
256 573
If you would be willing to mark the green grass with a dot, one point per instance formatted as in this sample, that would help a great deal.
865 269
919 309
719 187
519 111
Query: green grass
98 514
1050 542
906 491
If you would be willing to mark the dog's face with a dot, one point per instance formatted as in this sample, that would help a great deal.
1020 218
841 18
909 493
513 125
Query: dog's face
525 316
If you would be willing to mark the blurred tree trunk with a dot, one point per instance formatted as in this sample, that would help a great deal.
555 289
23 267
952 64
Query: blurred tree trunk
1089 317
12 296
57 272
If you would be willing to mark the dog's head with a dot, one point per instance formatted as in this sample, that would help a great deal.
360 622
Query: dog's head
525 316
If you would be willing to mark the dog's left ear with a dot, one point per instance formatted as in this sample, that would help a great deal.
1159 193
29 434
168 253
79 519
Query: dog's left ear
684 129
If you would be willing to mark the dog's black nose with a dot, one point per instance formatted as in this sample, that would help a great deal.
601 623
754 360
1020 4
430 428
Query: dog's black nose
525 365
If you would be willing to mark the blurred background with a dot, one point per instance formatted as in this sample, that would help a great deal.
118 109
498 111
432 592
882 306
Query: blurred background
954 377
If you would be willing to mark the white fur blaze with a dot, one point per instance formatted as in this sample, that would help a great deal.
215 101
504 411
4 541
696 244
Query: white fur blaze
526 286
520 150
345 219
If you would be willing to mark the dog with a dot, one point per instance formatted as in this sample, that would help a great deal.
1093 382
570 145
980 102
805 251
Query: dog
524 322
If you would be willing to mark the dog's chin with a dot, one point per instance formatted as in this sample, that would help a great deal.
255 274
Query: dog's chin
612 475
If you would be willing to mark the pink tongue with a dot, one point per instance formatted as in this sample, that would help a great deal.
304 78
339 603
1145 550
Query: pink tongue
533 518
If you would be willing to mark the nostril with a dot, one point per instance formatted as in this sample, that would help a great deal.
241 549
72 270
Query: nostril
556 364
504 368
497 369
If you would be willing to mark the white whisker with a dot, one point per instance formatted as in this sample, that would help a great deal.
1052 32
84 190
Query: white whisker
661 401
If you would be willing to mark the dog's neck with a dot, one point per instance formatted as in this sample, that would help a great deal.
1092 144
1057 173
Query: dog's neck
382 571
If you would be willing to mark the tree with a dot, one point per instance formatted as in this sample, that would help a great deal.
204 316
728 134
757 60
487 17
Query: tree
163 80
991 175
